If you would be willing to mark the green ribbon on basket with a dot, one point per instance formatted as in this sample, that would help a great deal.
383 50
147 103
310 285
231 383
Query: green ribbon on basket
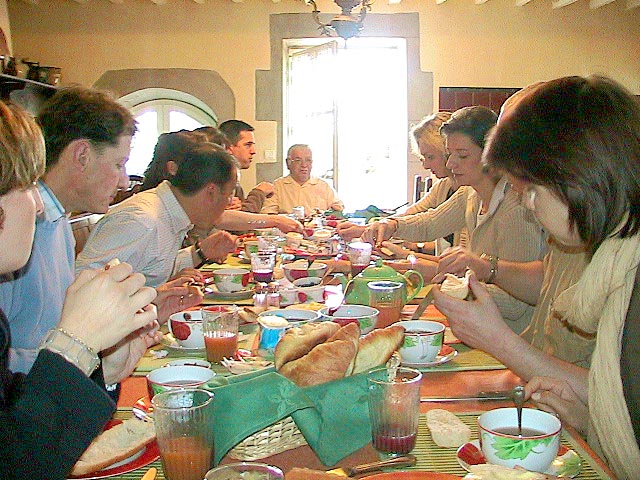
332 417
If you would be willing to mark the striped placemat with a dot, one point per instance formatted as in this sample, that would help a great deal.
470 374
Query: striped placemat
439 459
430 457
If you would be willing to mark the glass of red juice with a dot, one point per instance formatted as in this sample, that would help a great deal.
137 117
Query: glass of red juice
262 265
394 408
220 330
388 299
184 428
359 255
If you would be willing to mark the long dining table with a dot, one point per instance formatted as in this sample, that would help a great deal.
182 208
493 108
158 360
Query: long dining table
469 372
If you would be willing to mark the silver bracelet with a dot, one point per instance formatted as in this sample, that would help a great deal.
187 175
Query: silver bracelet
72 349
258 223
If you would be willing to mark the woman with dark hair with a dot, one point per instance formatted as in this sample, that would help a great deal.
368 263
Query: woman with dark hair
49 417
498 225
574 145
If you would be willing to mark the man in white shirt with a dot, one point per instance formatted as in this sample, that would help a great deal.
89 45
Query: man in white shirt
299 188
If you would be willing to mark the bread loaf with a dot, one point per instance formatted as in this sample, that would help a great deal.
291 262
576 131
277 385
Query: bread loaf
446 429
349 332
324 363
299 341
297 473
115 444
377 347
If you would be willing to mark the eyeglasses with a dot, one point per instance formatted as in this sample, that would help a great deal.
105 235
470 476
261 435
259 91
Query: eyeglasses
300 161
529 197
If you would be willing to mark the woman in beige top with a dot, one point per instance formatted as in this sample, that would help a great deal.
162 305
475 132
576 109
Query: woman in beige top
498 225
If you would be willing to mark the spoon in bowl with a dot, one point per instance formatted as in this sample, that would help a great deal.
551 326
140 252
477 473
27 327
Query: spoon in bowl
518 399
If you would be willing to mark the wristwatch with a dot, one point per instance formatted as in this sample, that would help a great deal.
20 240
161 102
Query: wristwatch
203 258
493 266
420 247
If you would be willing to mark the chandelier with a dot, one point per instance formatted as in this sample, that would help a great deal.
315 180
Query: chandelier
344 25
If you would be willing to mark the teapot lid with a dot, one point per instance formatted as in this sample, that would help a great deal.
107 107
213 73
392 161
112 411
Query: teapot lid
379 270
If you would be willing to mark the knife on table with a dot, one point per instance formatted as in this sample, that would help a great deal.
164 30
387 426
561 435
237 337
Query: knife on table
423 305
480 396
405 461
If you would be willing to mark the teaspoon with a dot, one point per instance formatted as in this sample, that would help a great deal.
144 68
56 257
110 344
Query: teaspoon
518 399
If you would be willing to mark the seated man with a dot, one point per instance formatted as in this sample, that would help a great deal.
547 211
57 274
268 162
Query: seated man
299 189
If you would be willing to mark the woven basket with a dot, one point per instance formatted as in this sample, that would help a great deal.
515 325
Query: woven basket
277 438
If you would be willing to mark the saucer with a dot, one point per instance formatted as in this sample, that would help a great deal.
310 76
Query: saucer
212 292
445 355
169 341
566 465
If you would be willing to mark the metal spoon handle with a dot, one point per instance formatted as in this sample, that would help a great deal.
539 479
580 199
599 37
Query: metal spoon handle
518 399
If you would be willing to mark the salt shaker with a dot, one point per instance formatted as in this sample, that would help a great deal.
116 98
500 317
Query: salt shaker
273 295
260 296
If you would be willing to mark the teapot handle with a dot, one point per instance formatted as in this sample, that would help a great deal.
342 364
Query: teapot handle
417 283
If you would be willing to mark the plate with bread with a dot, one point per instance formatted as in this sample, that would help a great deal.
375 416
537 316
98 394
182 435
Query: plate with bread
566 465
446 354
122 447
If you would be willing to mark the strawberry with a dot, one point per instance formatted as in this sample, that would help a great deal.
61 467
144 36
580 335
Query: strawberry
180 330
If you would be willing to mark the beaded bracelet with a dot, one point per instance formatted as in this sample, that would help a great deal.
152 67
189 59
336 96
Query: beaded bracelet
72 349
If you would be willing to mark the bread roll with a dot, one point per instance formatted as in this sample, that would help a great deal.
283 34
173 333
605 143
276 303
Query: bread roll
299 341
447 430
457 287
324 363
377 347
350 332
115 444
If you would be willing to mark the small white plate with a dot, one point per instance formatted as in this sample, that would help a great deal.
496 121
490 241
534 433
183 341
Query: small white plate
566 465
447 353
212 292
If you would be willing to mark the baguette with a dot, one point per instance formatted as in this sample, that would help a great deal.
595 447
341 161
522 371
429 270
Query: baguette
115 444
446 429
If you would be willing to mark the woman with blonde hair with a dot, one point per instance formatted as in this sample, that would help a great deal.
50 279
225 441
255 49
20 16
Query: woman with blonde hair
49 417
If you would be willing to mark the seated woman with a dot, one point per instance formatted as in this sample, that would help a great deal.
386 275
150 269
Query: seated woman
49 417
574 144
498 225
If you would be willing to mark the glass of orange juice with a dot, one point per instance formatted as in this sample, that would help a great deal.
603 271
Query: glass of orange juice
220 330
184 428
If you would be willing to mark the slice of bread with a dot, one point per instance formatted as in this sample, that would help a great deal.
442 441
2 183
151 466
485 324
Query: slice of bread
498 472
115 444
447 430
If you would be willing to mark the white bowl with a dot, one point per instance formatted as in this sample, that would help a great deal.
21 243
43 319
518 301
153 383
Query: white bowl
509 449
367 317
295 317
422 341
187 331
171 378
229 280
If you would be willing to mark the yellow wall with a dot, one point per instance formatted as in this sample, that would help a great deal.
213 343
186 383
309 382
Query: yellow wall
495 44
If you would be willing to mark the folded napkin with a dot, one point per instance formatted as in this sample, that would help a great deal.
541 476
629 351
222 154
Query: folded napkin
333 417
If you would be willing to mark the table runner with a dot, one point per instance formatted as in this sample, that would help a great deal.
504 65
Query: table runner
430 456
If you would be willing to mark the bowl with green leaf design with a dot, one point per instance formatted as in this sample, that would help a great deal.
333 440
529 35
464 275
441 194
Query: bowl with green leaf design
365 317
533 450
422 341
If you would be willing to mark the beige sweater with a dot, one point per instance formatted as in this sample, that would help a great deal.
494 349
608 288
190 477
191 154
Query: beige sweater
434 197
509 231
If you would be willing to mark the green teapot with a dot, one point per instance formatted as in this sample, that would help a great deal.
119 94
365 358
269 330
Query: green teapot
358 292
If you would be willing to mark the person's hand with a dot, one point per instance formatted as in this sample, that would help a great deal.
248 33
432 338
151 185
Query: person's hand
557 397
378 232
104 306
119 361
457 260
189 274
175 296
397 251
234 204
266 188
287 224
426 268
218 245
478 322
349 230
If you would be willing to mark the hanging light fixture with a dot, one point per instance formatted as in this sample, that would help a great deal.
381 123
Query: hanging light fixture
344 25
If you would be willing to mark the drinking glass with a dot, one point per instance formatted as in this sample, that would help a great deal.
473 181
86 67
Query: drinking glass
394 408
220 330
387 298
359 255
262 265
184 429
